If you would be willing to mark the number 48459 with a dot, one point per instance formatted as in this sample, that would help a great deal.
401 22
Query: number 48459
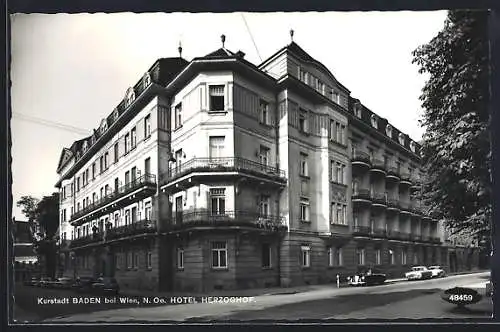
461 297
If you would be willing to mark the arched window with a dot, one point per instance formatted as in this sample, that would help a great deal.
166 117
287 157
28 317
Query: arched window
388 130
146 80
401 139
374 121
129 96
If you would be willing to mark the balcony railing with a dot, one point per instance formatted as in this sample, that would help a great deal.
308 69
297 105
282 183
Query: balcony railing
135 228
146 179
393 171
360 156
361 230
415 237
379 232
405 177
379 198
435 240
91 238
227 218
393 202
223 165
378 164
362 194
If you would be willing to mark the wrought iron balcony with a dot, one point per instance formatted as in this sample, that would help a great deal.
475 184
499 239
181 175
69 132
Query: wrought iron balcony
135 228
393 203
393 172
379 233
398 235
405 178
88 239
361 158
379 198
361 231
146 180
205 218
362 194
378 166
230 164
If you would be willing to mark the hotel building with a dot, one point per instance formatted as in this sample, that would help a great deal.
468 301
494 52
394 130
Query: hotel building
216 173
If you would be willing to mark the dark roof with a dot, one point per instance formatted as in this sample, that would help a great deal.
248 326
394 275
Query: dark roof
22 232
221 52
24 251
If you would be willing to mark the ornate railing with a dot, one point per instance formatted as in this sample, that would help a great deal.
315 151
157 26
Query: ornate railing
91 238
222 165
361 230
378 164
123 190
393 202
362 194
361 156
405 176
393 170
135 228
379 232
227 218
379 198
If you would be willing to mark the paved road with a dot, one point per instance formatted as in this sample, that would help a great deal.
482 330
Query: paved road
416 299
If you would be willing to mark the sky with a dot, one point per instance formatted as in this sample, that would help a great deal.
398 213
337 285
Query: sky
73 69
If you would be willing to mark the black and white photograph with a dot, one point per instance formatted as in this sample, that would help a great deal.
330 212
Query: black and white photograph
250 167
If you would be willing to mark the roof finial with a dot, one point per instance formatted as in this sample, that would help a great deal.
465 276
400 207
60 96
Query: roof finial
180 49
223 38
291 34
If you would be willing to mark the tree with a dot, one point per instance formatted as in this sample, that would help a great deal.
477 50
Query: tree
47 211
29 209
456 142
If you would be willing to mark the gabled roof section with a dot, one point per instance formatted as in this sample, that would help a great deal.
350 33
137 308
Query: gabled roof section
299 52
66 155
220 53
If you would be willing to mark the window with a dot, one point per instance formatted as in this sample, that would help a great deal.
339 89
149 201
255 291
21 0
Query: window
106 164
219 255
404 255
338 213
216 144
302 75
266 255
78 184
304 187
147 166
127 178
178 116
360 256
218 201
128 259
331 256
94 197
264 112
374 121
303 165
342 135
335 96
180 258
304 210
133 137
335 256
117 184
93 171
378 257
135 262
305 255
106 189
127 217
388 130
358 111
147 210
127 143
116 152
333 130
87 175
147 126
391 257
264 155
178 159
264 205
133 174
303 121
321 87
339 173
216 93
149 260
401 138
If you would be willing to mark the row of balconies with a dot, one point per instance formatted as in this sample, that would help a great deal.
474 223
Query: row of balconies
381 233
363 159
96 208
392 203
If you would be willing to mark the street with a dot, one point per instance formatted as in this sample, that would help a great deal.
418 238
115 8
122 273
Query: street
402 299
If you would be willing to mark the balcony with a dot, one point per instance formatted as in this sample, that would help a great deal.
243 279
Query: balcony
416 183
361 231
143 186
416 209
142 227
361 159
223 168
378 166
229 219
392 173
405 179
86 240
397 235
405 207
436 240
393 204
379 199
425 238
361 196
415 238
379 233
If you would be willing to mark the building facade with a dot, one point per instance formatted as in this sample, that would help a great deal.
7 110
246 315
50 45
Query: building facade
216 173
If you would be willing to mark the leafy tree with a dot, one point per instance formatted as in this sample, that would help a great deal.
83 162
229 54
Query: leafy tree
456 143
47 212
28 205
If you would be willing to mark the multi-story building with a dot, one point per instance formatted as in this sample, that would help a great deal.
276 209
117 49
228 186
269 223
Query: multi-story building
217 173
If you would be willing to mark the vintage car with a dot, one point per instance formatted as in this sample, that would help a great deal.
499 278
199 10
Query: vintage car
105 285
437 271
367 278
45 282
418 273
63 283
83 284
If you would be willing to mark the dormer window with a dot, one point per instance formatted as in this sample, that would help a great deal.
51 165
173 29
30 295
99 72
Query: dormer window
104 126
412 146
84 147
374 121
401 139
388 130
146 80
129 97
358 111
335 96
115 114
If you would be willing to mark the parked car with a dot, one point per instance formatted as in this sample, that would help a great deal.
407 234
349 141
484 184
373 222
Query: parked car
32 281
437 271
418 273
367 278
45 282
63 283
83 284
106 286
